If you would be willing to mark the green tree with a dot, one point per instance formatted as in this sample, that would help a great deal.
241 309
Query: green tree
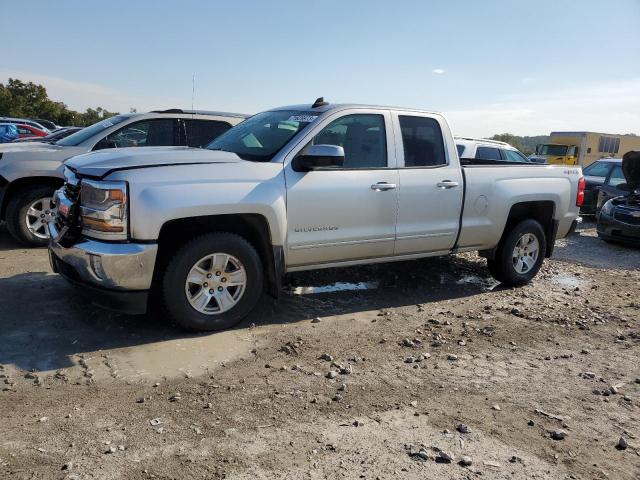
30 100
526 144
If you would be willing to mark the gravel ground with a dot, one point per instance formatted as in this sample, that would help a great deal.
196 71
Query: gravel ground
425 369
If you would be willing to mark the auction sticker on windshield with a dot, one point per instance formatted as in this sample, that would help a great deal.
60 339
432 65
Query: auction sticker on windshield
302 118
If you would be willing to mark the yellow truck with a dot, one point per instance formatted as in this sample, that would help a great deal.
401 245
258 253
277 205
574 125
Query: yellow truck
584 148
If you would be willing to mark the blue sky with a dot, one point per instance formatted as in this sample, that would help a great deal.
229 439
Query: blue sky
526 67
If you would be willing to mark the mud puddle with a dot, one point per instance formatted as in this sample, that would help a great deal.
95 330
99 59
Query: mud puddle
334 287
185 357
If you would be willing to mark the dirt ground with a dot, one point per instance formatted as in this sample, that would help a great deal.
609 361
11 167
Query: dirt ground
433 362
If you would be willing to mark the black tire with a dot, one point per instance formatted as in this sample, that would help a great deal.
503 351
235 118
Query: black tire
173 282
502 267
17 211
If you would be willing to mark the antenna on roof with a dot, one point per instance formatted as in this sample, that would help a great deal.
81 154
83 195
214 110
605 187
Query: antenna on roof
319 102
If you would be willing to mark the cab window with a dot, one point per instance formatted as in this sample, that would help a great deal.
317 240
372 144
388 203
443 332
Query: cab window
362 136
488 153
422 142
147 133
597 169
514 156
616 177
202 132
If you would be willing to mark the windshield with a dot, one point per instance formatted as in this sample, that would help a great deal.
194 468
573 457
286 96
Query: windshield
555 150
260 137
82 135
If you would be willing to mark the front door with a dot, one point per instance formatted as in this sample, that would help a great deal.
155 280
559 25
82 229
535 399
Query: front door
349 212
431 186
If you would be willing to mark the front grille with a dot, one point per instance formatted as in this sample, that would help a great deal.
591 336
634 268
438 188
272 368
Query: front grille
71 186
627 216
69 220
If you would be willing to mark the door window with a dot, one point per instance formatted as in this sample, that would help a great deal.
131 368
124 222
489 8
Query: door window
362 136
147 133
202 132
488 153
422 142
617 177
598 169
514 156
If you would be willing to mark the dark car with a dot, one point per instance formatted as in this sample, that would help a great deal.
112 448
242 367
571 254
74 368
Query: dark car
607 171
619 215
52 137
615 185
46 123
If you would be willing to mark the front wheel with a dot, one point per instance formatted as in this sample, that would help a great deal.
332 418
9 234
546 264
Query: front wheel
520 254
212 282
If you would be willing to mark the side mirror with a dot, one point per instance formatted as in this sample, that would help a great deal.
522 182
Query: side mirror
318 157
537 149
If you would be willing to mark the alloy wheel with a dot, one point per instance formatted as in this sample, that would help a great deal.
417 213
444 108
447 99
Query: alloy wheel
525 253
216 283
38 215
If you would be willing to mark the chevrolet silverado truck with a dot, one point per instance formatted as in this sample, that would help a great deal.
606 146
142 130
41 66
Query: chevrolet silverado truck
30 172
205 232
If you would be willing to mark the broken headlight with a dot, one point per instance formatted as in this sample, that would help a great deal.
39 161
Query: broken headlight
103 210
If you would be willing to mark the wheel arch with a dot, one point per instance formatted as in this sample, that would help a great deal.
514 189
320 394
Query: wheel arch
543 211
252 227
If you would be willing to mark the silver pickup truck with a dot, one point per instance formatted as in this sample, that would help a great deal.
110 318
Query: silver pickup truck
204 232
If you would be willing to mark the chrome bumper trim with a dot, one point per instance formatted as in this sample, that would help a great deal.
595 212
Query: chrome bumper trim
117 266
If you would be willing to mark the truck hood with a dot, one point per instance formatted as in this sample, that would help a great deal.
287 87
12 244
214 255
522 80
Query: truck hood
102 163
29 147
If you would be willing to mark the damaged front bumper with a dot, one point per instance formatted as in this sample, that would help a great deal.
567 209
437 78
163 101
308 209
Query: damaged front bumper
117 276
610 228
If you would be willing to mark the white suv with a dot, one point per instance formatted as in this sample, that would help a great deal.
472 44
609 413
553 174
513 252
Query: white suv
30 172
488 150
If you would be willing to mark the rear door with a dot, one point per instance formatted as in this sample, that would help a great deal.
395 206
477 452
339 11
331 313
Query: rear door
431 185
200 132
344 213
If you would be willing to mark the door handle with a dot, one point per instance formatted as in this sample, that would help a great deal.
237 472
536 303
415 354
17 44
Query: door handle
383 186
444 184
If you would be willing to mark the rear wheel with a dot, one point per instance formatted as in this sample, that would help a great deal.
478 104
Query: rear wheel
212 282
28 212
520 254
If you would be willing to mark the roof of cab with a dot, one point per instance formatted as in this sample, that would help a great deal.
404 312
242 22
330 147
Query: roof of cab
306 107
200 112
